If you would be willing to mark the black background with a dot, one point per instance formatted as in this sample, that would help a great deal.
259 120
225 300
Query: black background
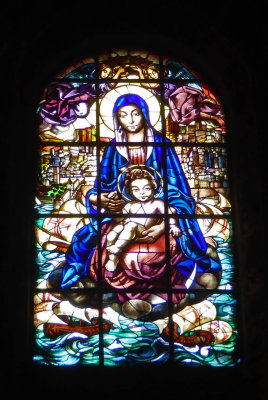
226 46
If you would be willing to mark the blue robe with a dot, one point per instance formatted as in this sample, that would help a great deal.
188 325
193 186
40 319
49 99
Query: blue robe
191 242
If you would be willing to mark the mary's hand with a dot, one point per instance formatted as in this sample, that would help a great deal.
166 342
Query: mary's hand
110 203
152 234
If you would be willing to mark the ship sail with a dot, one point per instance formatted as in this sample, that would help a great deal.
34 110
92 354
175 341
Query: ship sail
212 227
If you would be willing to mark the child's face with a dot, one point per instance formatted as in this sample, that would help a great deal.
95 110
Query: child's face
141 189
152 73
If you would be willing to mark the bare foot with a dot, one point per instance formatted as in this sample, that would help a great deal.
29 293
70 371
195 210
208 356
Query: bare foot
112 262
110 266
113 249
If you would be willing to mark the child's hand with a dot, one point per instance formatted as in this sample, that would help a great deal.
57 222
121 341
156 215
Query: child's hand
152 234
113 195
110 203
175 231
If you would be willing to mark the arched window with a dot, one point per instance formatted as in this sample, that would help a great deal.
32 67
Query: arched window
134 260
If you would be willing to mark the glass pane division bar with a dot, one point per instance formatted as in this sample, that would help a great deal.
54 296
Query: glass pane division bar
199 333
133 231
65 241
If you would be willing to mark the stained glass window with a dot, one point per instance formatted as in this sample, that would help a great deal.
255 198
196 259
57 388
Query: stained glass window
134 238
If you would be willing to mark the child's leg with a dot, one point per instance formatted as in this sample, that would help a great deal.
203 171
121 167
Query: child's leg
113 234
126 235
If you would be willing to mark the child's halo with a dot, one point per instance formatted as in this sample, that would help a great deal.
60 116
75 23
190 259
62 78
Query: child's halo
143 166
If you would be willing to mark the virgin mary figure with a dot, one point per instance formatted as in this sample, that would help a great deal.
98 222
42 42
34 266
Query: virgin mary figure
143 265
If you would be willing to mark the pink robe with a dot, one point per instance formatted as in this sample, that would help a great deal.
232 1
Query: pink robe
141 266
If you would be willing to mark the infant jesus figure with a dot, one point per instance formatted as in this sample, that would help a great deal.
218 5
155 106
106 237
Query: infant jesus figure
141 185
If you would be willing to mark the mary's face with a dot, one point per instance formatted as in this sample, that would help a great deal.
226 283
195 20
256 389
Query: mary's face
131 118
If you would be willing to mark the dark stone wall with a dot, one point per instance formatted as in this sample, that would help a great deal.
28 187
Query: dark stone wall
226 47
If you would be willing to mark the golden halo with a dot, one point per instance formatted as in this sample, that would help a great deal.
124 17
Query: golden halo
108 101
137 166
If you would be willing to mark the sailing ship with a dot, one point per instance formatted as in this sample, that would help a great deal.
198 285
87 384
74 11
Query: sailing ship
56 233
214 227
53 330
